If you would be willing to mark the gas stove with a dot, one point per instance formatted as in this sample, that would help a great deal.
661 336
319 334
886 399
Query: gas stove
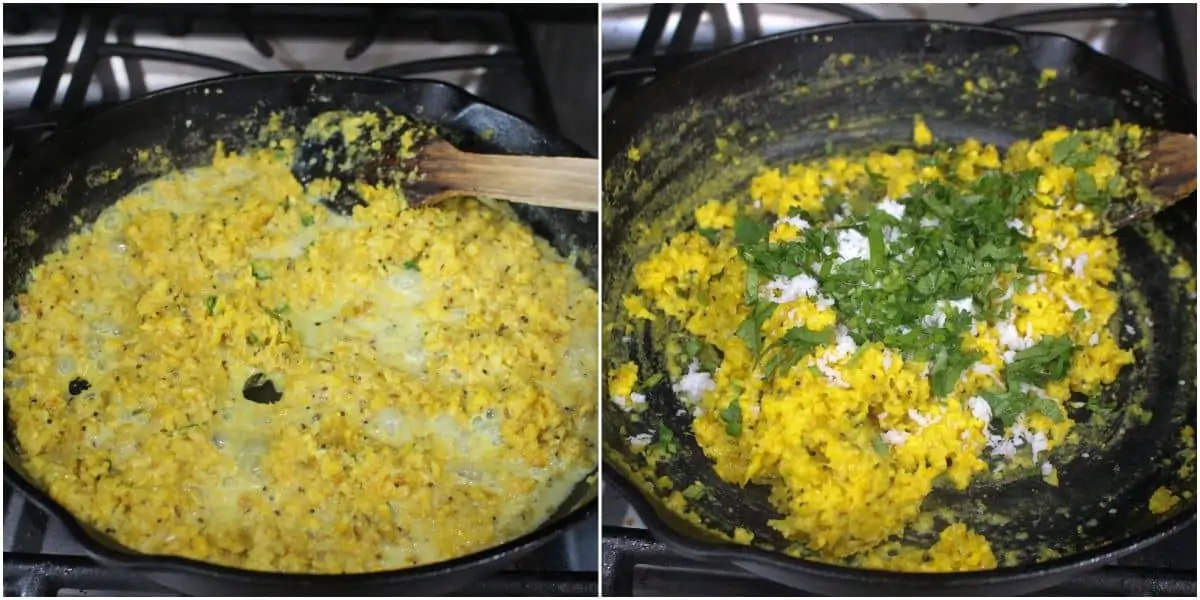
64 63
642 41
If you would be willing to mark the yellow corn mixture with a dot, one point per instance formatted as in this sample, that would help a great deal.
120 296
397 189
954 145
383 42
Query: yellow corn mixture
851 439
1162 501
433 373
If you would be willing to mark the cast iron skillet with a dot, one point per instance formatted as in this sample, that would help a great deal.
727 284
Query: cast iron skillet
772 102
48 189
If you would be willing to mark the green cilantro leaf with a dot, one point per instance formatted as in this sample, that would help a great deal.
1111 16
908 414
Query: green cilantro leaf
749 231
666 442
411 265
307 220
732 417
750 331
1073 151
210 305
875 239
948 365
695 491
712 235
1087 192
805 339
1007 405
651 381
1046 361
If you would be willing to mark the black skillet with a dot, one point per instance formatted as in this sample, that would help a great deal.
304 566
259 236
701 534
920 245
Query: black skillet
187 122
771 102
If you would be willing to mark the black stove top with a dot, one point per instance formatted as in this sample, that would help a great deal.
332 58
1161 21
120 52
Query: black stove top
66 62
642 42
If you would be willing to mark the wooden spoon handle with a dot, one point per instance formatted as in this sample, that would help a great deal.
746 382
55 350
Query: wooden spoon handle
553 181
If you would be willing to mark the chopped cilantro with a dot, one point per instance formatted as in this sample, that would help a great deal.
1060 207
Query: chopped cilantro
651 381
252 338
712 235
732 417
210 305
1088 193
879 445
1079 316
1048 360
307 220
695 491
888 297
794 345
875 238
948 365
750 292
805 340
749 231
750 331
411 265
1073 151
691 347
666 443
1007 405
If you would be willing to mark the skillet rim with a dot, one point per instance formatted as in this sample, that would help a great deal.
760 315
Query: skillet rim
167 564
737 553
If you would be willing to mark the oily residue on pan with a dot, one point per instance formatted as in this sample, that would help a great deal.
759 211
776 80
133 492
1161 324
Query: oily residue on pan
710 150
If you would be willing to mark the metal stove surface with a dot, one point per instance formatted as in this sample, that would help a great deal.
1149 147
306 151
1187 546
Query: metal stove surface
538 63
639 40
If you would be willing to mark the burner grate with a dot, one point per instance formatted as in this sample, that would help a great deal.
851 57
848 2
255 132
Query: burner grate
678 27
42 559
38 575
514 40
635 564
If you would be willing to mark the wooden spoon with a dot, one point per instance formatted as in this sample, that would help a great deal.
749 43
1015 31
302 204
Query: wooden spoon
428 169
444 172
1167 164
